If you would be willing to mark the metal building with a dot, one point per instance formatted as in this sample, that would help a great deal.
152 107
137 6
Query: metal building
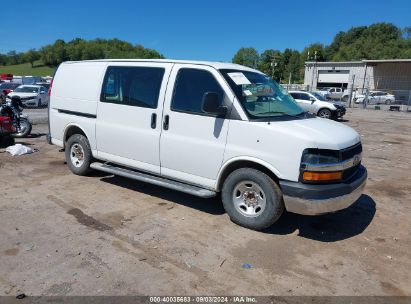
390 75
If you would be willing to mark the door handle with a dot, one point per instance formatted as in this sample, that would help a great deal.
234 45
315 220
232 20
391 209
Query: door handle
166 122
153 120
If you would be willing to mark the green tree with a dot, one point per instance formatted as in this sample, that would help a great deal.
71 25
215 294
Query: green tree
31 56
271 63
247 56
377 41
314 52
294 68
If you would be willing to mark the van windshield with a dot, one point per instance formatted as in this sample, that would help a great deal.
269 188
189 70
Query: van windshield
260 96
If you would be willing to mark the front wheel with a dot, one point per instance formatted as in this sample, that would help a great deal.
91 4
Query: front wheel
252 199
324 113
78 154
25 128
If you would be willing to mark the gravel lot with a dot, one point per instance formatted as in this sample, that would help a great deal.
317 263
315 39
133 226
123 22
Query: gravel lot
62 234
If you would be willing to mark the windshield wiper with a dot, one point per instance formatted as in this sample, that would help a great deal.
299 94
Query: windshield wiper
283 113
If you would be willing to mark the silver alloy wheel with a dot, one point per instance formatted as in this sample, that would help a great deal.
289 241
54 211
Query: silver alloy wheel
77 155
324 114
249 199
24 125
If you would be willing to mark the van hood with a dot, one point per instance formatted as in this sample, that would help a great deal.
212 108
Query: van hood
318 133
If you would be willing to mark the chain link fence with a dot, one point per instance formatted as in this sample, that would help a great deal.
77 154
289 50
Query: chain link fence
381 93
391 93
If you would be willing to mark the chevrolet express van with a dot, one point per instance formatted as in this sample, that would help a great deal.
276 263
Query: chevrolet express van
204 128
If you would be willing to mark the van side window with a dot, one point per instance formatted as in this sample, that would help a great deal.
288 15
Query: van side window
190 87
133 86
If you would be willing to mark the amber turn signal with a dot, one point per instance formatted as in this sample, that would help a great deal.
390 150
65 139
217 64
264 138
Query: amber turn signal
322 176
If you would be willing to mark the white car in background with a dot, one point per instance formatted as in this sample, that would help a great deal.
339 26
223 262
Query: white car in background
376 97
31 95
324 93
315 103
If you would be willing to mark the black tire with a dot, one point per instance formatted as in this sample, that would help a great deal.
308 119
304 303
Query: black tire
345 98
39 103
324 113
274 204
26 130
80 168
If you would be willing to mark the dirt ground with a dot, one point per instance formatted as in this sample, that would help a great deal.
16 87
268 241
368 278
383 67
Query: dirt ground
61 234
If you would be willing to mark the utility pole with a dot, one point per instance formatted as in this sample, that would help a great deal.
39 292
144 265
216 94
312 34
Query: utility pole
289 81
273 66
352 89
314 66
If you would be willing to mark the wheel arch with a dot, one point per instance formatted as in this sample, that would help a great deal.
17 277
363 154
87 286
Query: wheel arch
245 162
72 129
324 108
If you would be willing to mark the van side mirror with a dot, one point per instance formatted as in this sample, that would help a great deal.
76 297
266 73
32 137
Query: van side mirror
211 104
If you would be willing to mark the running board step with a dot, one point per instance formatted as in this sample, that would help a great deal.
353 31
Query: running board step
155 180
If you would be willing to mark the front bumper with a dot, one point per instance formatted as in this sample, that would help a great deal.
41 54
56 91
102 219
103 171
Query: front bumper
318 199
30 102
340 112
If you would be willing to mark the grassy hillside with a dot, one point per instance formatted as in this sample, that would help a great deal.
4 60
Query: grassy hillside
26 69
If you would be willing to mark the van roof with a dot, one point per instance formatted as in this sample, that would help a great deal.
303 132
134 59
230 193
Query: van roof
214 64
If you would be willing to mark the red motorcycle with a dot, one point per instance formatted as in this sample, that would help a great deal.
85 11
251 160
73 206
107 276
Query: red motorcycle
7 129
13 110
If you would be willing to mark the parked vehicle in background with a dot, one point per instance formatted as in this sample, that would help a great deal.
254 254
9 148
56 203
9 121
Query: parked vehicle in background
376 97
6 77
31 79
6 88
335 93
316 104
324 93
17 79
47 87
31 95
203 128
43 84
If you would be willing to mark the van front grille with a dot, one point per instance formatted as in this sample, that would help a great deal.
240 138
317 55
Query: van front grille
350 152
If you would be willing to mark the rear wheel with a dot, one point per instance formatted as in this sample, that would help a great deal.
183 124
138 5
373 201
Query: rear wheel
324 113
78 154
252 199
39 103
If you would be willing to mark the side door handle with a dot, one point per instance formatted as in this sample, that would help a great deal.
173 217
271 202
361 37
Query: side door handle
166 122
153 120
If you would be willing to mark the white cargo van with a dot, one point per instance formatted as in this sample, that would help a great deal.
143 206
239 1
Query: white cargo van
204 128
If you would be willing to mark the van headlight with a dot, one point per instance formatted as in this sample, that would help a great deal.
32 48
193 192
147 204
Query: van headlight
320 165
320 156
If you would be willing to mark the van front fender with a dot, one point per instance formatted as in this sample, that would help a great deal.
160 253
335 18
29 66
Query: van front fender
243 162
